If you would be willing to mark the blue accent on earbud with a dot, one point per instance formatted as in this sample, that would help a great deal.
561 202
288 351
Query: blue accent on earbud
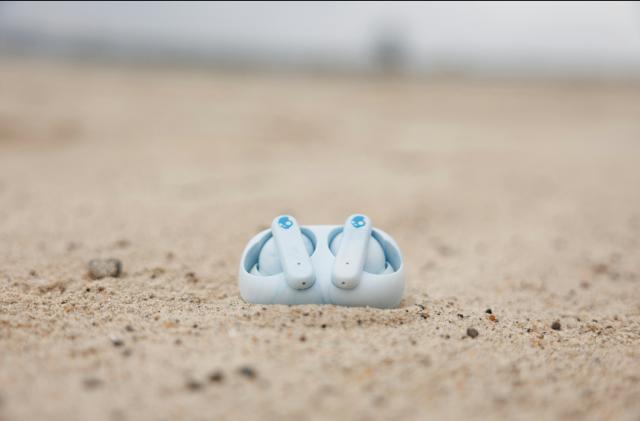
285 222
358 221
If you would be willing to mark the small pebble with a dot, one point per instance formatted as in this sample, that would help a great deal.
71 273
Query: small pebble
303 338
191 277
472 332
556 325
216 377
102 268
323 326
116 341
247 372
92 383
193 384
128 328
488 311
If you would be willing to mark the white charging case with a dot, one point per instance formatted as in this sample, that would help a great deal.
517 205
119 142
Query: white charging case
374 290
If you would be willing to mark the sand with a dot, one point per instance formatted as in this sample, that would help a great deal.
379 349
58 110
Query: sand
522 197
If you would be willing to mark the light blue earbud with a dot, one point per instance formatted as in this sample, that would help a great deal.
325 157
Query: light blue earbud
287 252
356 251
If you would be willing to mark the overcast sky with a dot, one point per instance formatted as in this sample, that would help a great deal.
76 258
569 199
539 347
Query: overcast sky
602 35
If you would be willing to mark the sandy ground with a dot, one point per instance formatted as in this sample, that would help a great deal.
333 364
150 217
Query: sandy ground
522 198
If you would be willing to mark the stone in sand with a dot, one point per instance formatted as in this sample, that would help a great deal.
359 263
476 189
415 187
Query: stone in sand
102 268
472 332
216 376
247 372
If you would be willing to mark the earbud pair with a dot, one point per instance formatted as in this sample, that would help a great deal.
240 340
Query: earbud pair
289 251
352 265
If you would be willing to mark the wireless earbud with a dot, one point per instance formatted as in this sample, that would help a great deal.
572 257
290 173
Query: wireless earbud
356 251
287 252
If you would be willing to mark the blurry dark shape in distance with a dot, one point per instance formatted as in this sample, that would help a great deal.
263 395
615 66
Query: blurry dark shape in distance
390 52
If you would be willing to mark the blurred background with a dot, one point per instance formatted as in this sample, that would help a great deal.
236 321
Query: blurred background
498 142
594 39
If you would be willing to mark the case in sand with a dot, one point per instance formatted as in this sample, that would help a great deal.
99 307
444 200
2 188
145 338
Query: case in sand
374 290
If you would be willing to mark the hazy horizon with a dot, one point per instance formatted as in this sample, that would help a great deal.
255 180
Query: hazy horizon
575 38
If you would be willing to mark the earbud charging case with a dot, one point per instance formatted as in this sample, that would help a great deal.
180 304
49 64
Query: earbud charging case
374 290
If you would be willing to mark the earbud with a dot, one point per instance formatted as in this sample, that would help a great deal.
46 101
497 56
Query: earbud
356 251
287 252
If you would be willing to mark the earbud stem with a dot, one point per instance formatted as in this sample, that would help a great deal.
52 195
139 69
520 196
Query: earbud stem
295 261
352 253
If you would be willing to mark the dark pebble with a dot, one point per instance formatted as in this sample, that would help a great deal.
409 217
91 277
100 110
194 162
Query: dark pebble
303 338
216 377
92 383
323 326
128 328
472 332
102 268
193 385
460 315
247 372
556 325
488 311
